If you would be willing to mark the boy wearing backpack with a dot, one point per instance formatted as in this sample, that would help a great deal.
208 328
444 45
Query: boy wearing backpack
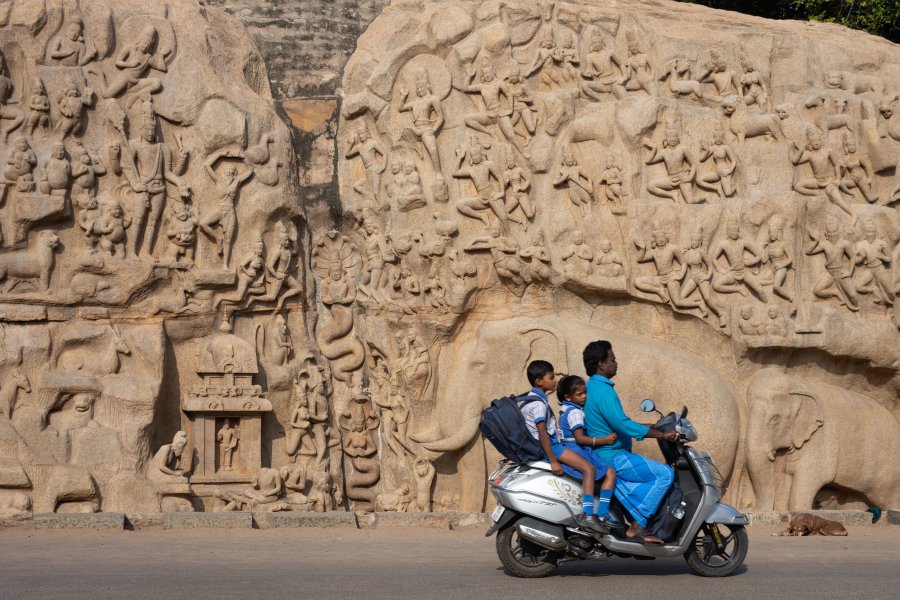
541 423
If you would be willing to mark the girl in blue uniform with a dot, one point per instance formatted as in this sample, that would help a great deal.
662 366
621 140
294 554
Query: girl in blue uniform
572 393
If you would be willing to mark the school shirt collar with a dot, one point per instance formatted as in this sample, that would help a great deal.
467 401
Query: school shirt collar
603 379
540 394
572 404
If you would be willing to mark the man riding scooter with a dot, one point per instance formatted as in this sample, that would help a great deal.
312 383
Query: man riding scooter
641 483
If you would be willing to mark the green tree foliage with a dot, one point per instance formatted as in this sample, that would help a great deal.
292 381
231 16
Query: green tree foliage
880 17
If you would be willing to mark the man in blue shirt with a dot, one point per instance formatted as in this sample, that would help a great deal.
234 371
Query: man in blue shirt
641 483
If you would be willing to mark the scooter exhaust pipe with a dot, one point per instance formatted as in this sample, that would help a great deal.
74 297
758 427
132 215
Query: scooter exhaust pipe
543 534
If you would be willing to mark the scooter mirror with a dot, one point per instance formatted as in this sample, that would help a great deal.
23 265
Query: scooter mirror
647 405
684 411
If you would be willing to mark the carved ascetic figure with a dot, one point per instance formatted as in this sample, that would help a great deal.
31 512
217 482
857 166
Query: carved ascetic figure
873 257
182 233
373 156
721 179
68 48
411 195
424 472
379 254
481 171
166 464
739 254
600 70
611 180
515 182
85 172
577 256
428 116
776 253
797 435
149 166
57 173
297 438
38 108
840 260
134 62
280 344
823 162
223 216
680 164
70 104
698 275
856 170
228 437
264 494
664 255
578 185
608 260
537 261
110 228
20 162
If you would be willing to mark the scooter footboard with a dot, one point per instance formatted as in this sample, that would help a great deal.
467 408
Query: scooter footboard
726 515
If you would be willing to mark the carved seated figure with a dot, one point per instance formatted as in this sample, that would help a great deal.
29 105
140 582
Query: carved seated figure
263 495
165 466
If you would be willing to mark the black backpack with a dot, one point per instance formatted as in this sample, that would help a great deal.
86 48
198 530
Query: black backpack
667 520
503 425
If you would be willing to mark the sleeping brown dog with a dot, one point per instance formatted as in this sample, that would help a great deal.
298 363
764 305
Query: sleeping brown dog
807 524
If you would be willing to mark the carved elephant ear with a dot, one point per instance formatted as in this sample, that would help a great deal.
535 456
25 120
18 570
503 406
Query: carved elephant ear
546 343
807 414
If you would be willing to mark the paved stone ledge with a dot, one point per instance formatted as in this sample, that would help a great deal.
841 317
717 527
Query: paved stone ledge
893 517
461 520
766 517
79 521
398 519
853 518
16 522
191 520
265 520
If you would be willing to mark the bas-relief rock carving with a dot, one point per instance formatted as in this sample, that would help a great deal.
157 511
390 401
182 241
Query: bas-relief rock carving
716 197
719 200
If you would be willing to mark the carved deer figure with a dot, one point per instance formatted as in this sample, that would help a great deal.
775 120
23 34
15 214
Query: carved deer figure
109 363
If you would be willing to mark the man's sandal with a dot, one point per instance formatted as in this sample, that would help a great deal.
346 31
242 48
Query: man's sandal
643 536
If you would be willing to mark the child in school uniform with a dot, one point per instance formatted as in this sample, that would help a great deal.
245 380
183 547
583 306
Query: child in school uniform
542 424
572 393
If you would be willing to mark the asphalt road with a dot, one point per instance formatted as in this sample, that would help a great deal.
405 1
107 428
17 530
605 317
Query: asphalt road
419 564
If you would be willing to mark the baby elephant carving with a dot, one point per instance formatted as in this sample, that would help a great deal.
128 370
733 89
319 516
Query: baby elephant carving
803 436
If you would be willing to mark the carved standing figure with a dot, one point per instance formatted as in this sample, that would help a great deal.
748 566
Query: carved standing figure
223 215
698 275
637 72
151 164
856 170
873 257
228 438
721 179
428 116
776 253
70 105
611 180
373 156
515 183
579 186
38 108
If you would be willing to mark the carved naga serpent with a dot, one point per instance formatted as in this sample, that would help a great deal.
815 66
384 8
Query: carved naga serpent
336 260
343 350
366 474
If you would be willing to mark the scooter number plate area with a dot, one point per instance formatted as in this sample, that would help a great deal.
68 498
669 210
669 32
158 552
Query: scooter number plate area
497 513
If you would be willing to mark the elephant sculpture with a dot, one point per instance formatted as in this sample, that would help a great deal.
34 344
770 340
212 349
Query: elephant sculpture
487 360
804 436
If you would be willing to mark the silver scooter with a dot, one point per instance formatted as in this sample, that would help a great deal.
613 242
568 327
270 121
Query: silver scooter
535 515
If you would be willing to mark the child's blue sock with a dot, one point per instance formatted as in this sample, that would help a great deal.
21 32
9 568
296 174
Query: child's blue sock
587 504
603 505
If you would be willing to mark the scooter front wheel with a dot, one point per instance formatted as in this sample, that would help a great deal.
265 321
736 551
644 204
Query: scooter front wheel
718 550
522 557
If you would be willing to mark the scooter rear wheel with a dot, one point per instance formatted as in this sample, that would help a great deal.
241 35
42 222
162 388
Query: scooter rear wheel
523 558
706 558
